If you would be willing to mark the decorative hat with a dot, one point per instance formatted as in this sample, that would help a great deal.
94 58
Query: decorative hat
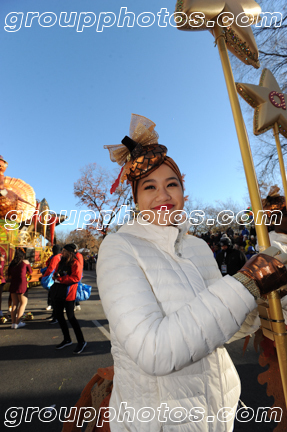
1 158
139 154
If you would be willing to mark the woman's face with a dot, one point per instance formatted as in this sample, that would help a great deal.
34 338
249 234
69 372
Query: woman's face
160 189
65 253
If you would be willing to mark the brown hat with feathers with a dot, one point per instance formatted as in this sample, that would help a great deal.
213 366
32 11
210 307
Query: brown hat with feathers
140 154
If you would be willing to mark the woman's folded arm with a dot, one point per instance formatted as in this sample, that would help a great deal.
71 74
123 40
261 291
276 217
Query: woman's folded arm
160 343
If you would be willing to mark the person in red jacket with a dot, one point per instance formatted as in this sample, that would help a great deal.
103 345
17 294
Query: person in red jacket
63 293
51 264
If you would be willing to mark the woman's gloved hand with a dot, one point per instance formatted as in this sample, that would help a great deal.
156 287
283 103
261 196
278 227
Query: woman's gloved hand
56 276
264 273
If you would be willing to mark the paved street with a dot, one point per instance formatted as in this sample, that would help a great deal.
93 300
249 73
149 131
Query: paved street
34 374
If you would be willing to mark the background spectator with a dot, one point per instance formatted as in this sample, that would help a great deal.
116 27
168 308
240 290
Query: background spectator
229 260
17 271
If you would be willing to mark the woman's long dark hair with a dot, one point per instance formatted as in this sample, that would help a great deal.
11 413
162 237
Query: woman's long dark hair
67 262
18 258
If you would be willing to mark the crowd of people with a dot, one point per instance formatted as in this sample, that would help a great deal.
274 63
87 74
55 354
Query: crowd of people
90 262
232 249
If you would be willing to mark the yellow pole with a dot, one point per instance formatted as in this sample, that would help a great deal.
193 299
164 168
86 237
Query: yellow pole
262 234
276 313
281 160
280 336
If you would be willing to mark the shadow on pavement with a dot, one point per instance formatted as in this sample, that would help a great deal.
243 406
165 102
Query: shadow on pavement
62 399
29 352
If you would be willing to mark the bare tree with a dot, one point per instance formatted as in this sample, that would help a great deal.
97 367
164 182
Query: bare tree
272 40
213 218
85 239
62 237
93 191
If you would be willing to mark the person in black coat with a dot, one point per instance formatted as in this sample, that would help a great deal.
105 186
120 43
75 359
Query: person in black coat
229 260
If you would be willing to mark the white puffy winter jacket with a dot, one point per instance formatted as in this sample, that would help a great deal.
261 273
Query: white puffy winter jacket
170 311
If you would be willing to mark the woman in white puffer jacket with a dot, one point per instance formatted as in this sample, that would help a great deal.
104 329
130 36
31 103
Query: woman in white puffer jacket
170 311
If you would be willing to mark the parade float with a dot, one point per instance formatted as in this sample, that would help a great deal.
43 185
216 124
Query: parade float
26 223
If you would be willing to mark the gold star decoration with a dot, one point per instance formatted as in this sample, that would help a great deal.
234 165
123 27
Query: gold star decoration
239 36
269 102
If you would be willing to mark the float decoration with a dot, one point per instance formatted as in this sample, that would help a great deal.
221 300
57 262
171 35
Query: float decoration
270 111
16 195
269 102
271 377
239 38
23 227
53 221
36 215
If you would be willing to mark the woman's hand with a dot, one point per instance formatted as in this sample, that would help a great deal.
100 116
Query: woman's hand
56 276
266 270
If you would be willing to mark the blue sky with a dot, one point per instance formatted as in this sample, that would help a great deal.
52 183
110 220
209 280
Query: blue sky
65 94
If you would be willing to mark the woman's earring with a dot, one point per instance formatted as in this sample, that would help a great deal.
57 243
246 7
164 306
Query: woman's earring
137 207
